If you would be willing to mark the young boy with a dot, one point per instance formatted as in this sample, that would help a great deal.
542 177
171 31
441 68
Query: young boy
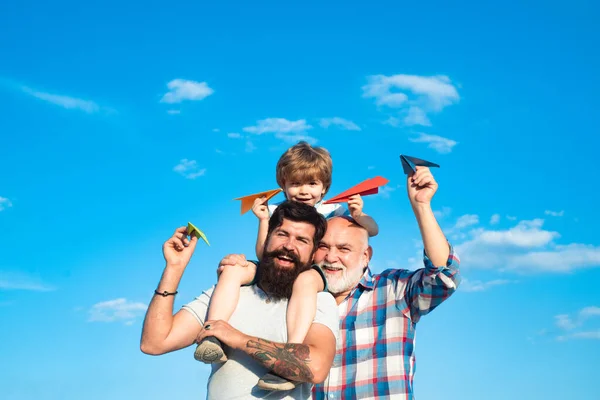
304 173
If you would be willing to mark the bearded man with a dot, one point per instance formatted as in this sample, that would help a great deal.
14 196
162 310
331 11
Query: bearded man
255 336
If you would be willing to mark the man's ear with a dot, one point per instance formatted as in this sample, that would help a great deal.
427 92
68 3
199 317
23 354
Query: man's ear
368 254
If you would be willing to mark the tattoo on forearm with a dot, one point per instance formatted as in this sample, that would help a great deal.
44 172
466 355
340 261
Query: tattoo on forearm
288 360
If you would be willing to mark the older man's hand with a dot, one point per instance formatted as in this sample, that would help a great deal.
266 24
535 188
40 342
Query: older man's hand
421 186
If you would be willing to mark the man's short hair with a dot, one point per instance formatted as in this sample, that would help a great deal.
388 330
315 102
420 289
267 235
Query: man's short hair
298 212
303 163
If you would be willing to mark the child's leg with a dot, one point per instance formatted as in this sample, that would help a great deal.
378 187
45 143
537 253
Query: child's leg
223 302
301 312
302 306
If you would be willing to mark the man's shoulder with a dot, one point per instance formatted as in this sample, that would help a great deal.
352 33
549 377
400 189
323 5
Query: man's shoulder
326 299
391 275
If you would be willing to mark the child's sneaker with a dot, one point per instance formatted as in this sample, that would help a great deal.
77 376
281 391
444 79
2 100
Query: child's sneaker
275 382
210 350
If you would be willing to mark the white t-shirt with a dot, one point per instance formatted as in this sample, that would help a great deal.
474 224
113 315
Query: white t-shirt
257 315
326 210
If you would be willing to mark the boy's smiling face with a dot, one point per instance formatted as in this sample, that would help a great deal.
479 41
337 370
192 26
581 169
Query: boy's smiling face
309 192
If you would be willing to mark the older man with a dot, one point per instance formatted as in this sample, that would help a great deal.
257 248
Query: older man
379 312
294 230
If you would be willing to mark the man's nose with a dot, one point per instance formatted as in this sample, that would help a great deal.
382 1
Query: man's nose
331 255
288 245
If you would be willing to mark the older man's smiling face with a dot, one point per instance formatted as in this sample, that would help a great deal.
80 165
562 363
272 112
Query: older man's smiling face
343 255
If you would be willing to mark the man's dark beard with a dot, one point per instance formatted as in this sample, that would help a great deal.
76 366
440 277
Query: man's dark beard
278 282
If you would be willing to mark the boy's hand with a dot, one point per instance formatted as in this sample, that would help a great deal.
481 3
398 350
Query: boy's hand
248 271
355 205
421 186
260 208
178 249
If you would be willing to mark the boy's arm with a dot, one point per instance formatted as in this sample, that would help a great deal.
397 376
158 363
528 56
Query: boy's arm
355 206
260 208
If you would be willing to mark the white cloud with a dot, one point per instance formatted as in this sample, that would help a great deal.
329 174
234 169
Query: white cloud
288 131
173 112
444 212
440 144
189 169
526 247
559 259
216 130
19 281
468 285
386 191
525 234
568 323
341 122
511 218
581 335
181 89
234 135
466 220
64 101
116 310
495 219
392 121
278 125
250 147
413 95
4 203
294 138
555 213
416 116
563 321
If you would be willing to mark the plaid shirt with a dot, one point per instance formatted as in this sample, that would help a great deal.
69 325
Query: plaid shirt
375 352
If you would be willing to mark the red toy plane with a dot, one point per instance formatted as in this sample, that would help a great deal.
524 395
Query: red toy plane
370 186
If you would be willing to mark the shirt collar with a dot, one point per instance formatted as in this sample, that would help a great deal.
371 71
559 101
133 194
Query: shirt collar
367 279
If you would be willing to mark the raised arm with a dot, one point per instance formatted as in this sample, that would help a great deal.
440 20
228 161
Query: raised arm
309 361
164 332
260 208
428 287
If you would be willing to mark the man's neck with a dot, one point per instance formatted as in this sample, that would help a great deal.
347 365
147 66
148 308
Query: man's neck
340 297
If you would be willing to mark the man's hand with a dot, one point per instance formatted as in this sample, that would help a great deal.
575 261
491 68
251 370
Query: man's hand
225 333
355 205
178 249
247 268
421 186
260 208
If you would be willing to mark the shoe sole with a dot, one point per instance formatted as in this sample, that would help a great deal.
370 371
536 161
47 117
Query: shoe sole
209 353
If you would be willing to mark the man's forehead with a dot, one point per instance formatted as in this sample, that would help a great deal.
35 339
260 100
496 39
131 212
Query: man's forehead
341 229
297 226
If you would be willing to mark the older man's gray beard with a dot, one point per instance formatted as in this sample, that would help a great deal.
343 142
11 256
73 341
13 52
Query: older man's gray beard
343 283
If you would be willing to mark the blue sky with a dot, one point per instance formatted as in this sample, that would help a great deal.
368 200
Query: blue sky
121 122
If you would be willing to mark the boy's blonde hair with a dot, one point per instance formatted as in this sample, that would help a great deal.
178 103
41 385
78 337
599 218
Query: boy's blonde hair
303 163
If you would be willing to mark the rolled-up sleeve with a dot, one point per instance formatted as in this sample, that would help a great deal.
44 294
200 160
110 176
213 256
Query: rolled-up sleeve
430 286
